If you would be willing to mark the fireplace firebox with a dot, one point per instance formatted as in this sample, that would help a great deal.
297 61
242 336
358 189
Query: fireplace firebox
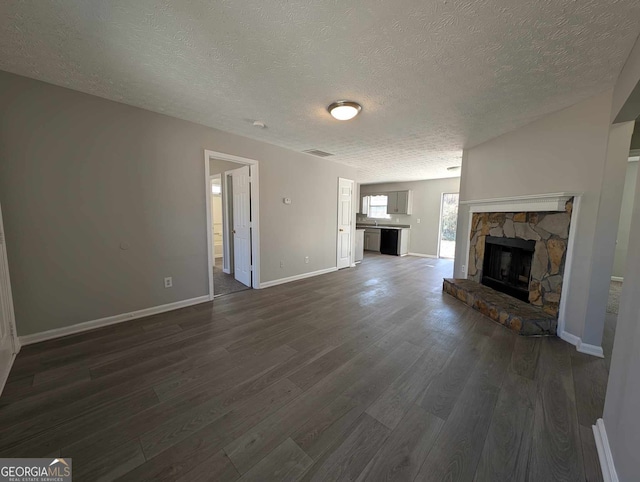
507 265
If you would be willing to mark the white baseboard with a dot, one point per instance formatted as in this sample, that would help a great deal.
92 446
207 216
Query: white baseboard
420 255
109 320
590 349
582 347
569 338
609 473
617 278
275 282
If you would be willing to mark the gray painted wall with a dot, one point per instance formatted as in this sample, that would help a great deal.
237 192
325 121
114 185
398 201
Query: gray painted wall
563 151
604 239
626 93
216 166
427 196
635 139
624 226
79 175
623 390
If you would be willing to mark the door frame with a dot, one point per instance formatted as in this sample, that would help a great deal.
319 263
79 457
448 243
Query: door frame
353 224
255 214
7 295
442 195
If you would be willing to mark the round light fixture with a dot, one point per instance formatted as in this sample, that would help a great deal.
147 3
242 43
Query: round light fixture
453 168
344 109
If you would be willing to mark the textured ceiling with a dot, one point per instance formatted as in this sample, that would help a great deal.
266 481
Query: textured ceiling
432 76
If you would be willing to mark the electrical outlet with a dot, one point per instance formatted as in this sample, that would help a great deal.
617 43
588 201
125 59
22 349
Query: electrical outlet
306 259
463 268
168 282
282 264
418 220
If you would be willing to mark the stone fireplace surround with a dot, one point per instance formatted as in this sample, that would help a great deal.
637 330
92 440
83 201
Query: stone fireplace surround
523 209
549 230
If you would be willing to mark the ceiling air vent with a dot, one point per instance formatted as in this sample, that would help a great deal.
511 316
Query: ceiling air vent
316 152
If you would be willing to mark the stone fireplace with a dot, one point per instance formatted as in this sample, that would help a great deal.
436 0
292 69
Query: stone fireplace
548 234
518 249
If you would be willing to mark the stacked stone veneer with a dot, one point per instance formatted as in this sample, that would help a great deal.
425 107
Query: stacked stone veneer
550 231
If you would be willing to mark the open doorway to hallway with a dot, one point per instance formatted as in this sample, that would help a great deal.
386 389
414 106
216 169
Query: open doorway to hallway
232 219
622 239
448 223
224 280
624 227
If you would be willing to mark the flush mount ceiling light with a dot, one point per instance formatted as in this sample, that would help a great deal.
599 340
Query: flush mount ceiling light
344 109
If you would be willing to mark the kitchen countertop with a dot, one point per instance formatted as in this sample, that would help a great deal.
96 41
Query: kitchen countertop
383 226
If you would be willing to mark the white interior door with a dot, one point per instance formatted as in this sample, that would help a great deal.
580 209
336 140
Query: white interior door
8 345
345 216
242 225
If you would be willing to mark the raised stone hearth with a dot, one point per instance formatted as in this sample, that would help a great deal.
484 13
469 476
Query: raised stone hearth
523 318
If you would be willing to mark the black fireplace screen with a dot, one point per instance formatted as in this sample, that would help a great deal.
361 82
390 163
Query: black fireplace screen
507 265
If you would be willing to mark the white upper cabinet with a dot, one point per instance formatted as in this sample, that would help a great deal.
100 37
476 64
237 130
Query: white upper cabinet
399 202
364 204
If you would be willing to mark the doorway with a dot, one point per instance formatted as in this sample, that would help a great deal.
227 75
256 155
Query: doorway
232 223
622 238
224 278
448 223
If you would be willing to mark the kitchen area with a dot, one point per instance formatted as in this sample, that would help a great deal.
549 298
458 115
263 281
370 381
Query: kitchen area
377 226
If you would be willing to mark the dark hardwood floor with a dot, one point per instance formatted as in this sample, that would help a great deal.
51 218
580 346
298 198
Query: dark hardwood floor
368 373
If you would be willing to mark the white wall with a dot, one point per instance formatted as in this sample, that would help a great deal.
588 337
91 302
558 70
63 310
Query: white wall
624 226
79 175
565 151
427 198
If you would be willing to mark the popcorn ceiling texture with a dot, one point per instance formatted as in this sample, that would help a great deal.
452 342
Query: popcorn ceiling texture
432 76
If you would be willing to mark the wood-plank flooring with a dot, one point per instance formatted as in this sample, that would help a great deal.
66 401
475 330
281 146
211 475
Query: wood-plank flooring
368 373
